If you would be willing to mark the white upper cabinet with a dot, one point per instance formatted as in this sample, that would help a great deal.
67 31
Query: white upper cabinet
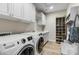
18 11
4 8
29 12
41 18
72 11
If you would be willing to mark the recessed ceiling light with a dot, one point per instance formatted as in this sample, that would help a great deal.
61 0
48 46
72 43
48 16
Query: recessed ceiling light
51 7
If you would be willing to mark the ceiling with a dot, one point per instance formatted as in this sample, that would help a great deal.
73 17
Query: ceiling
45 7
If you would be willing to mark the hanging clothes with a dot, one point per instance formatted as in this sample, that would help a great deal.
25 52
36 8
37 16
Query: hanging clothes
74 32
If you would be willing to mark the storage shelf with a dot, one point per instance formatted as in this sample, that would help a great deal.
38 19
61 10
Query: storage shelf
60 28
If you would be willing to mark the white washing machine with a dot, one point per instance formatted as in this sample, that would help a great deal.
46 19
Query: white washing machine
17 45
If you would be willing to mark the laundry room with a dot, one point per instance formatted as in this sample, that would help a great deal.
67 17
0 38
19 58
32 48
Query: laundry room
39 29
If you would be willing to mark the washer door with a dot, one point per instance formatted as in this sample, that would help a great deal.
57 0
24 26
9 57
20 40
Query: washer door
40 44
27 50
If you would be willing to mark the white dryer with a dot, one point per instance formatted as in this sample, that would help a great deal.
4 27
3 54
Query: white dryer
40 39
45 36
17 45
39 42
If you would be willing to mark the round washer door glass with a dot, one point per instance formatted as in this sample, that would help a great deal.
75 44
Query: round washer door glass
28 50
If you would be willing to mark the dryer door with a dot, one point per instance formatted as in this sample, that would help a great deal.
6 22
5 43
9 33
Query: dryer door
27 50
40 44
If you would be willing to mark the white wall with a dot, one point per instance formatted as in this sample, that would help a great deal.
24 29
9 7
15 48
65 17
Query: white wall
51 24
12 26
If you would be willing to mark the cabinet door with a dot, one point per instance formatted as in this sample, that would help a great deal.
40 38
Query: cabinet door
4 8
33 13
73 13
29 12
10 9
17 10
43 19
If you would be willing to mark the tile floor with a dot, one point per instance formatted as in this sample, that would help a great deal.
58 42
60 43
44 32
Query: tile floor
51 48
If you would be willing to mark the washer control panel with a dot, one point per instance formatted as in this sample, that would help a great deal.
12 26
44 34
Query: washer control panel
23 40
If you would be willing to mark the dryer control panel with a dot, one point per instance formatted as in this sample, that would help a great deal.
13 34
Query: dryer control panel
29 38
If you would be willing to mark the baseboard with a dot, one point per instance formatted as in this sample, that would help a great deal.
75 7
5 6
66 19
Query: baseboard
51 41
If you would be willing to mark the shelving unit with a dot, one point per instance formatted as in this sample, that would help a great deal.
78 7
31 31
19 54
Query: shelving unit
60 28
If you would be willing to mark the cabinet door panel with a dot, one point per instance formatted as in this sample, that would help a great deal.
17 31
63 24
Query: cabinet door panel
29 12
43 19
10 9
4 8
32 15
26 12
17 10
